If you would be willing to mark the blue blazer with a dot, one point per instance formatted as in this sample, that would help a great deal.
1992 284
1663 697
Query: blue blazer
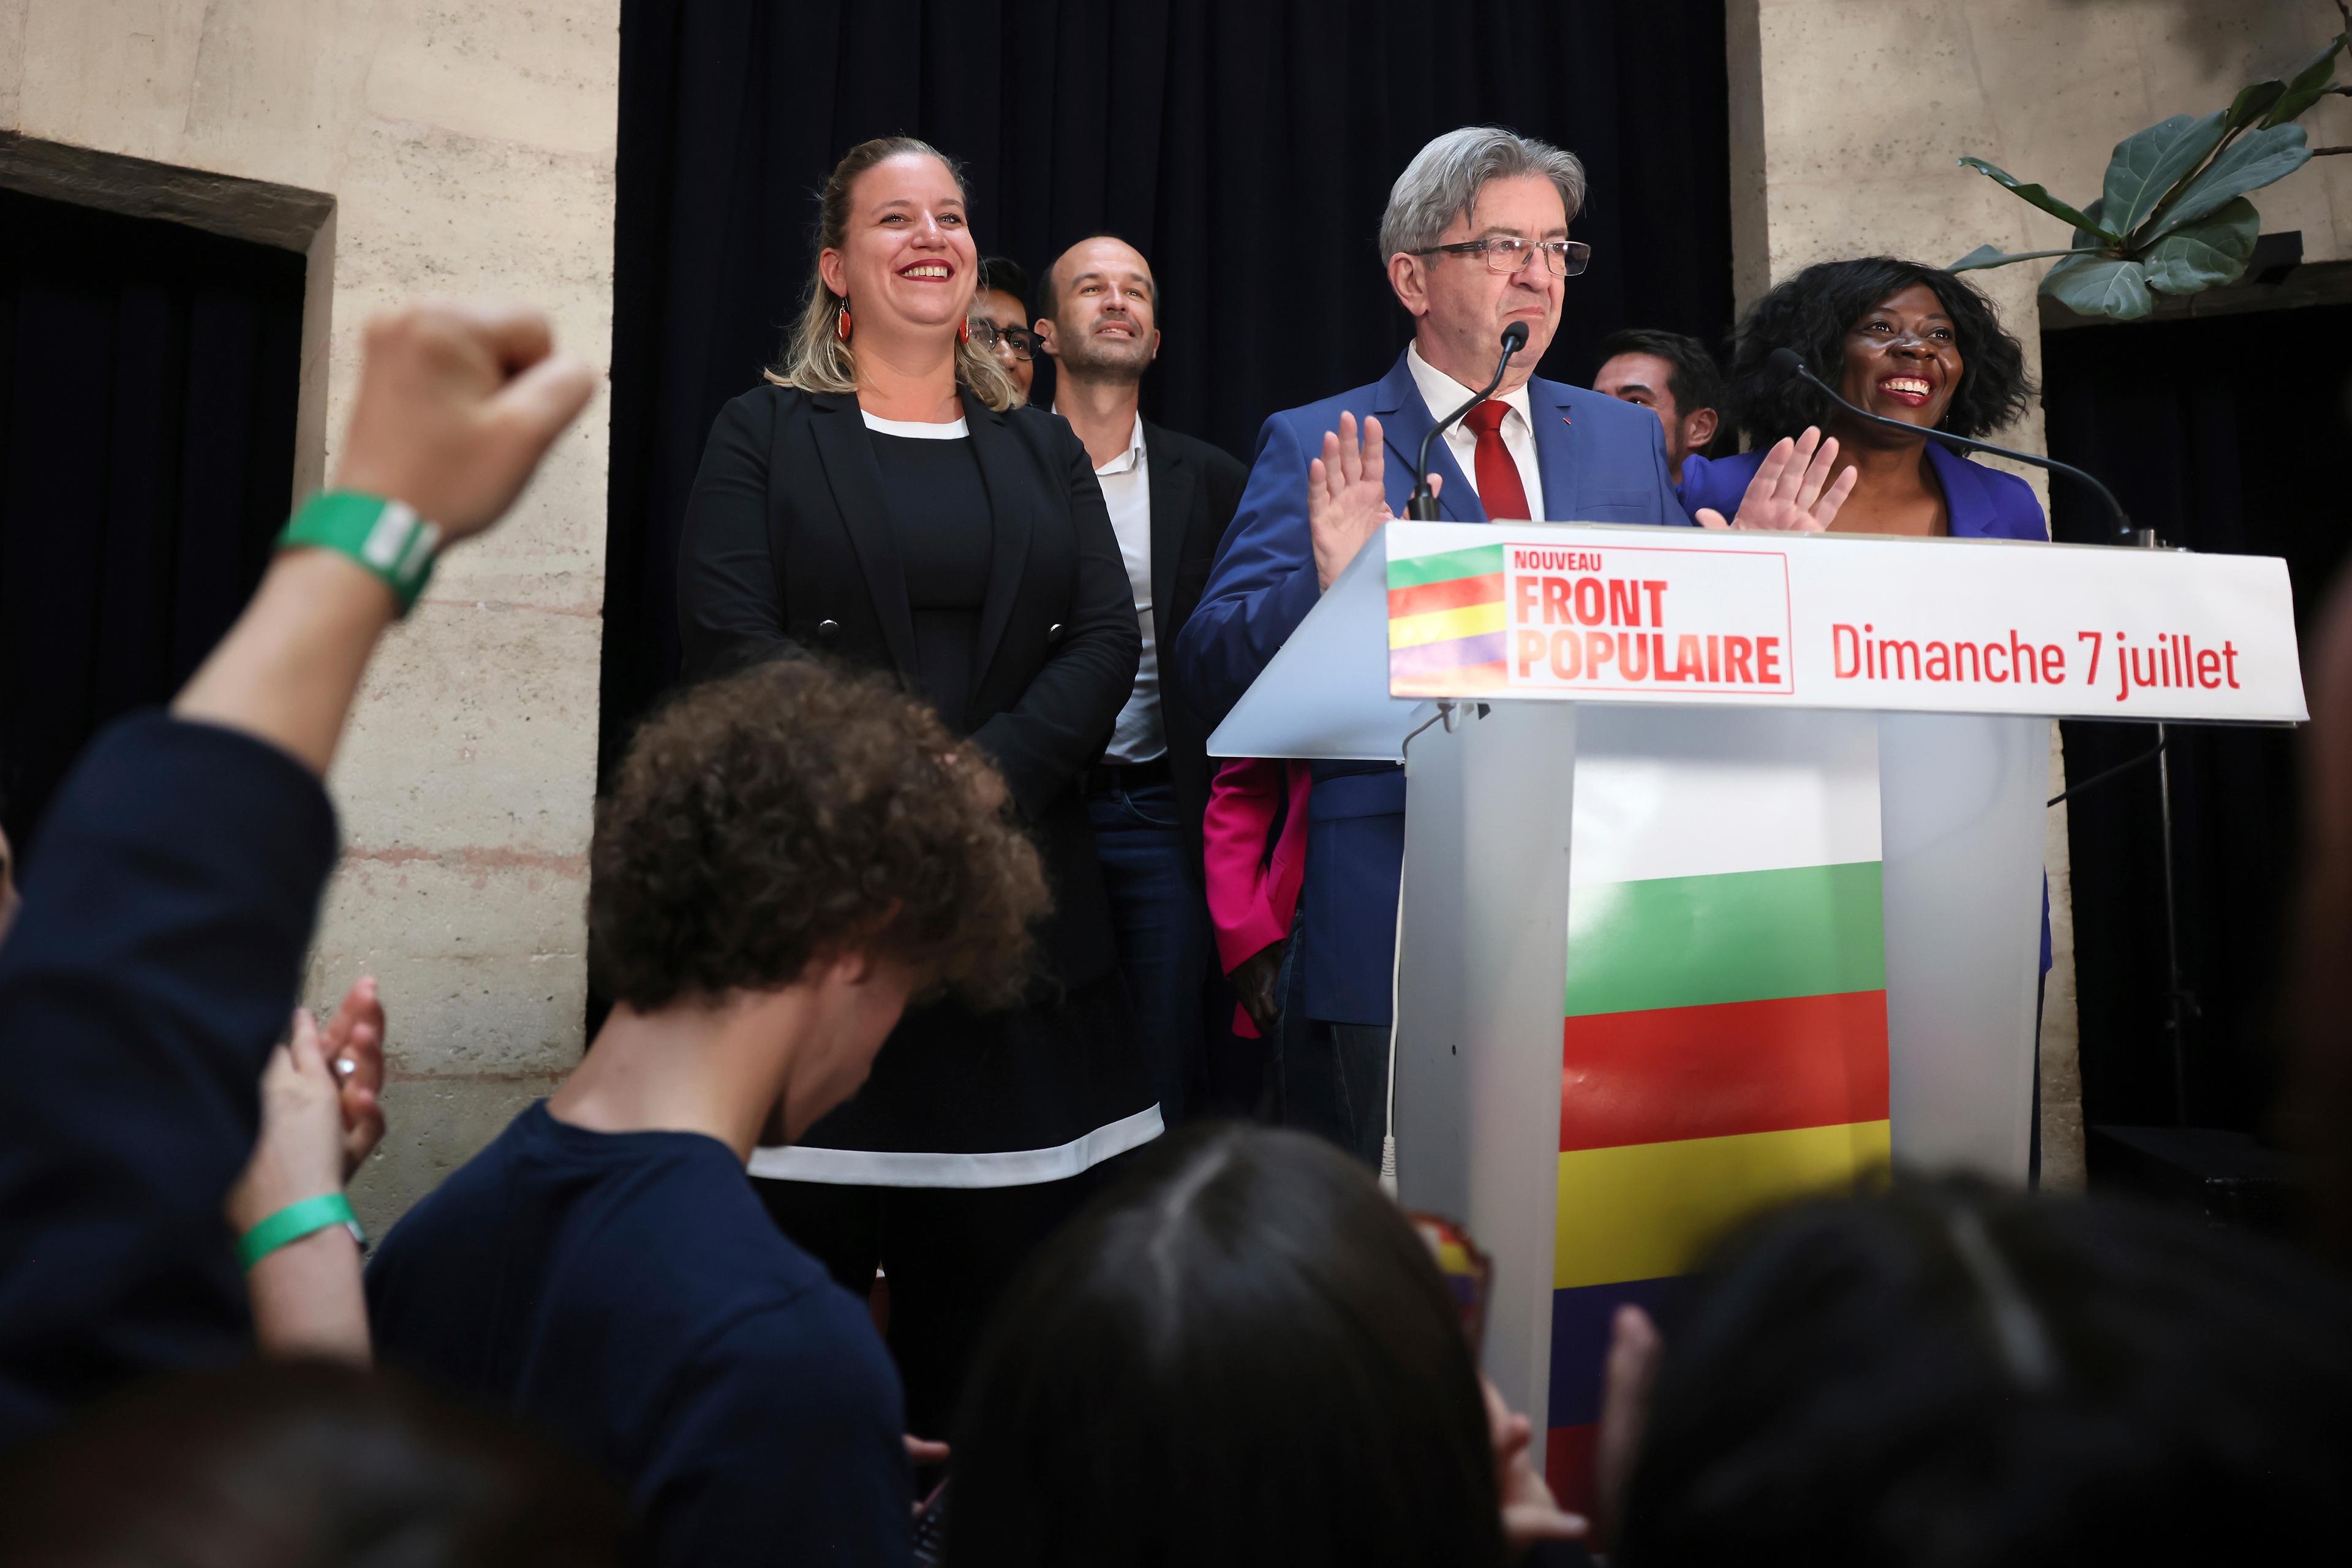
1985 504
1601 461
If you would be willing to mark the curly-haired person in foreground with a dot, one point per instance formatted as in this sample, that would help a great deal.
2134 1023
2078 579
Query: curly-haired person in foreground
786 858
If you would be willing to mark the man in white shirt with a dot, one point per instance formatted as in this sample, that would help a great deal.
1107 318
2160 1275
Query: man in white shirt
1169 498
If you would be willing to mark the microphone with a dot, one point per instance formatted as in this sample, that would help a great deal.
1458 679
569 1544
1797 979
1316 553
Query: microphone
1784 363
1422 506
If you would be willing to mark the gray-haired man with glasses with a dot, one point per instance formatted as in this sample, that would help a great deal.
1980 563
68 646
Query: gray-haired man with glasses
1475 238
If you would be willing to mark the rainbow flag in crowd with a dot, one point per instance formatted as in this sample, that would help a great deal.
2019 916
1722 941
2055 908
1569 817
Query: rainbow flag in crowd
1725 1048
1446 623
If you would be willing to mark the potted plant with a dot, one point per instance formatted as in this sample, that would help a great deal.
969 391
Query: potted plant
2173 218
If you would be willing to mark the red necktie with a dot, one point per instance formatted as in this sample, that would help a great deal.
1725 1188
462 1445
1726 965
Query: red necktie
1499 490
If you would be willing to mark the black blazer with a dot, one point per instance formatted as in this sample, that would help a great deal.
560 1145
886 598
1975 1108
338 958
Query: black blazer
1195 488
788 550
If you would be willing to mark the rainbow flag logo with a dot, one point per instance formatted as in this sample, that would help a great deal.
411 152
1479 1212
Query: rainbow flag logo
1446 623
1724 1049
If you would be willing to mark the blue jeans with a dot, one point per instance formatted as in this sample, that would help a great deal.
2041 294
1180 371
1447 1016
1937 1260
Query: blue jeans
1334 1077
1162 923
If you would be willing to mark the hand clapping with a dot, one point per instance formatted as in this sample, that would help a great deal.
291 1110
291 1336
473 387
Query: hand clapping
1788 494
1347 496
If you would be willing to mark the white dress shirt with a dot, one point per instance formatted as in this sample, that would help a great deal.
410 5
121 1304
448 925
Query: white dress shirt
1126 481
1444 395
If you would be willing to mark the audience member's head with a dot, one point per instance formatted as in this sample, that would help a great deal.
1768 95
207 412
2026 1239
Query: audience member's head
1243 1355
300 1465
1953 1378
1834 315
793 829
1674 378
1000 318
1100 315
1475 240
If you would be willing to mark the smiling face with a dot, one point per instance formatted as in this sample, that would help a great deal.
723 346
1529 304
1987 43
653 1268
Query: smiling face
1460 307
1903 359
1105 320
1001 311
906 263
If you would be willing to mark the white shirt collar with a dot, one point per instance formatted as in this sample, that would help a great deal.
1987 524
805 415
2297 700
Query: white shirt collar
1444 395
1127 461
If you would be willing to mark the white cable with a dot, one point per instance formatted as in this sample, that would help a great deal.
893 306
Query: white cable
1396 986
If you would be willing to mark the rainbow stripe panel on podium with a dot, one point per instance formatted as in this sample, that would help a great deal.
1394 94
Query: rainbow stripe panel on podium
1446 623
1724 1040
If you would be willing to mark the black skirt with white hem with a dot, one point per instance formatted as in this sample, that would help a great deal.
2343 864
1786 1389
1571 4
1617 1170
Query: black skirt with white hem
959 1099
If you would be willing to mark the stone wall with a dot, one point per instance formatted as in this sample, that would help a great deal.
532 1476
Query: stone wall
1848 117
460 148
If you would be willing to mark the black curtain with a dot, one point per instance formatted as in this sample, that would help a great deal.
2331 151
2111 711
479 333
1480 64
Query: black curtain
2221 433
1246 146
147 380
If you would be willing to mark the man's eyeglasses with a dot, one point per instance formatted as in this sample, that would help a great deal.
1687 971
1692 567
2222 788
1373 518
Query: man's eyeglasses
1506 253
989 336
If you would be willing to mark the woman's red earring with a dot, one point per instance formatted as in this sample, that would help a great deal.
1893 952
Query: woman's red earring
841 322
964 332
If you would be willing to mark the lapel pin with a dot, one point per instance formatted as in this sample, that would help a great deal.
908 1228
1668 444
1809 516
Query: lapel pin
1566 420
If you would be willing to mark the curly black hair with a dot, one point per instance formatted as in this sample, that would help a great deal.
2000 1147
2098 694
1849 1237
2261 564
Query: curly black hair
761 821
1813 312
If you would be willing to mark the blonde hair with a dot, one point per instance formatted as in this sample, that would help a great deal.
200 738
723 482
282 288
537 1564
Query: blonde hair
815 358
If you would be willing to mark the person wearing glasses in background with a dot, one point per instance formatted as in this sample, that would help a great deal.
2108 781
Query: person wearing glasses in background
1475 239
1000 320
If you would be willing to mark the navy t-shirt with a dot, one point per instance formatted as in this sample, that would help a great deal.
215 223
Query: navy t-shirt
626 1292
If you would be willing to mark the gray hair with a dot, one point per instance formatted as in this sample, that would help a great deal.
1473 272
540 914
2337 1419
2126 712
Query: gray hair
1444 178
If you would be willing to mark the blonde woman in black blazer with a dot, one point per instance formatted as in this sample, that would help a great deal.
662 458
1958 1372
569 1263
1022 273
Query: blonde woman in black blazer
886 503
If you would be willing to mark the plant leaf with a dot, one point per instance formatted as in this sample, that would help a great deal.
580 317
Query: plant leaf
2146 166
2250 163
2205 255
2101 286
2306 87
1985 256
2039 199
2096 237
2253 103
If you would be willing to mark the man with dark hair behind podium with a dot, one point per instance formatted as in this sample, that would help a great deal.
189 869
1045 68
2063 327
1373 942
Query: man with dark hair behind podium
1673 377
1475 239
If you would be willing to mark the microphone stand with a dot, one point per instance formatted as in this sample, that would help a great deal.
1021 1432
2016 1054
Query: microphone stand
2181 1003
1422 506
2126 534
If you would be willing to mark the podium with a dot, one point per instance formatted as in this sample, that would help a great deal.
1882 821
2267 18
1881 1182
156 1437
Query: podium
1723 866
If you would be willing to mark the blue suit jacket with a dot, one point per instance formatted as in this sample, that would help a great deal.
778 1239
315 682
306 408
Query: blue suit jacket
1601 462
1985 502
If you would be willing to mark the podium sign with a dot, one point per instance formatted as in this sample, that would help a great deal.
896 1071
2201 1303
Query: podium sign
1670 615
1726 888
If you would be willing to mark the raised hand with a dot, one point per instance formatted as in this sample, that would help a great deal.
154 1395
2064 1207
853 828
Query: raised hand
1347 496
353 1045
299 1153
1634 1349
1530 1513
457 404
1792 491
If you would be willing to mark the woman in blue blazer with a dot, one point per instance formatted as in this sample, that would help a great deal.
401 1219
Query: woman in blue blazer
1914 344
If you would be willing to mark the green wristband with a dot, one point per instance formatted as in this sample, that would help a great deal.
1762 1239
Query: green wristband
384 536
294 1222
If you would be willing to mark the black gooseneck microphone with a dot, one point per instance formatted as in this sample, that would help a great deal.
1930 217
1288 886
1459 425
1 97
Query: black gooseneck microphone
1785 362
1422 506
